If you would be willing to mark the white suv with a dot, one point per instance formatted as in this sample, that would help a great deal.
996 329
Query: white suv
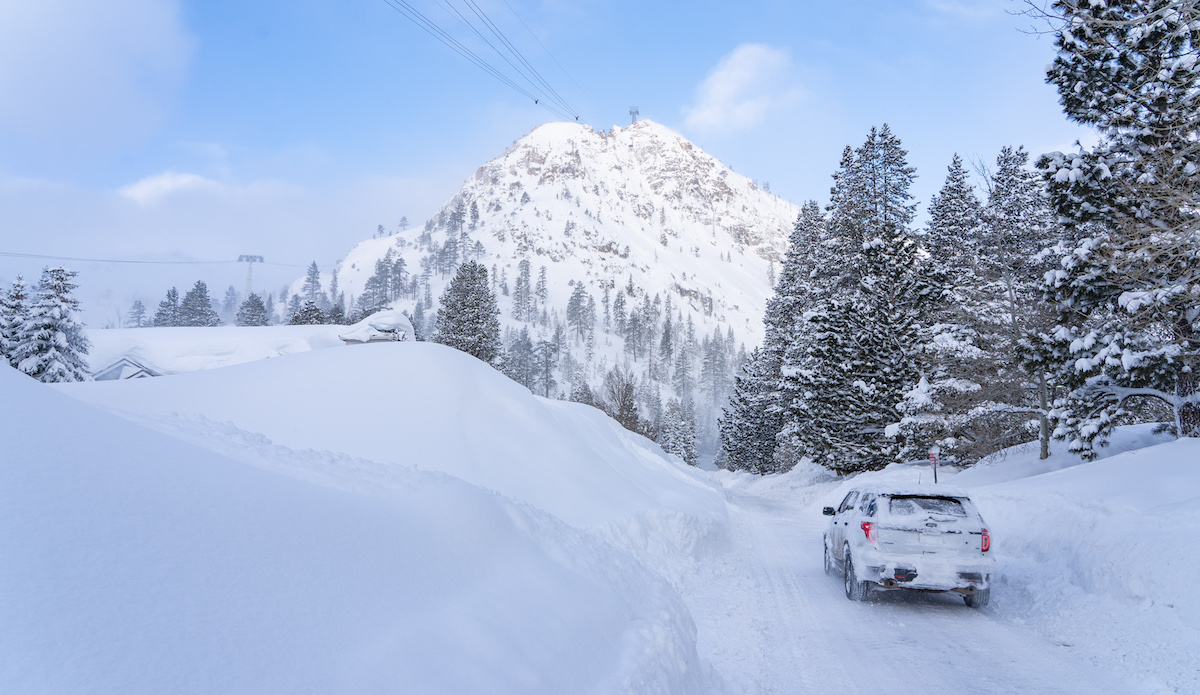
922 538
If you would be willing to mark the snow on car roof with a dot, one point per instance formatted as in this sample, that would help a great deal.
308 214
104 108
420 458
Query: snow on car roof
919 489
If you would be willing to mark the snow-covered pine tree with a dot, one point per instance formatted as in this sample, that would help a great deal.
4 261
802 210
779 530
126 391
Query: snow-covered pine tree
136 318
523 305
252 312
50 344
545 356
468 318
230 305
309 315
758 392
196 307
677 435
952 233
269 305
519 363
14 310
1128 318
866 352
311 289
577 312
752 419
168 310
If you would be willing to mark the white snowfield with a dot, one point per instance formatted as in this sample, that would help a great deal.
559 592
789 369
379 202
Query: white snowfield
397 517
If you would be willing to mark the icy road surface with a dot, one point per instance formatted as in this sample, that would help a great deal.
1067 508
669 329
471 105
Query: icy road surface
771 621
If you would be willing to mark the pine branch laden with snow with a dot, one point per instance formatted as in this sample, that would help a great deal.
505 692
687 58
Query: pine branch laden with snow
1128 291
50 344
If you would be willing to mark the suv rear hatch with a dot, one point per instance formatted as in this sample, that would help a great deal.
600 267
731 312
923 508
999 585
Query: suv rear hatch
929 525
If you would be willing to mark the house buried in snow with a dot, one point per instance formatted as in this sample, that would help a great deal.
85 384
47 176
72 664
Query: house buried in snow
383 326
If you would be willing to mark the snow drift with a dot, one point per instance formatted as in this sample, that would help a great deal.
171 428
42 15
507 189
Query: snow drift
138 563
433 408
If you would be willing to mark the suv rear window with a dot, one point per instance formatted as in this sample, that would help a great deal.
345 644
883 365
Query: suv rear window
912 504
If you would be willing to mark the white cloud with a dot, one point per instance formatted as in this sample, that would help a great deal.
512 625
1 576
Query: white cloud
80 70
154 188
746 87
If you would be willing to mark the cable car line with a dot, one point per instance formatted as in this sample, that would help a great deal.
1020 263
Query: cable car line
552 101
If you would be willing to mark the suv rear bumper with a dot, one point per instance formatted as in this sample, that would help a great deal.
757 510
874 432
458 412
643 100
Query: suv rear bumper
928 576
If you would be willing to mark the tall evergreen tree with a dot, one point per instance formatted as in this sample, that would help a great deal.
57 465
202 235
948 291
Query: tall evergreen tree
136 318
952 233
230 305
468 318
168 310
311 289
519 362
196 308
50 345
752 420
14 310
252 312
1128 320
309 315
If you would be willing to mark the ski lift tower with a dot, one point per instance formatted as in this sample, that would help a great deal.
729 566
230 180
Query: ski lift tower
633 114
249 261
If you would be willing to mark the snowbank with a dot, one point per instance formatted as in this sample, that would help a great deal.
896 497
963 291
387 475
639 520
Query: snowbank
436 409
1101 556
177 350
136 563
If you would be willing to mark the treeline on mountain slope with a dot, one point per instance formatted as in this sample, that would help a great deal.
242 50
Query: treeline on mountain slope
1068 299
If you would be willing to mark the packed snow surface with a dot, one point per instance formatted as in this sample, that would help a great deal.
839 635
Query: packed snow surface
398 517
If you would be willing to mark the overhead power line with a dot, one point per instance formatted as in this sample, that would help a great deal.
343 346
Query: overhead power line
477 21
73 259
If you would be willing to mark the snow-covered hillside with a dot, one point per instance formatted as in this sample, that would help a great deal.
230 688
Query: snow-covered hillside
596 207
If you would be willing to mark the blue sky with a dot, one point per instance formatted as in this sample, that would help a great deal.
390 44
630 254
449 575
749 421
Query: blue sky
198 130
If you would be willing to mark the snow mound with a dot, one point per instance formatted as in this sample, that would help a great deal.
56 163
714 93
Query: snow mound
136 563
436 409
178 350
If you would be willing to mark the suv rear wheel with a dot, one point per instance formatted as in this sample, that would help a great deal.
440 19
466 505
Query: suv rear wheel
979 599
855 590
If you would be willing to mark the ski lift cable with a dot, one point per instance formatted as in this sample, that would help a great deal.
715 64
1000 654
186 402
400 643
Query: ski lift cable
433 29
548 53
430 27
545 86
466 22
438 33
479 12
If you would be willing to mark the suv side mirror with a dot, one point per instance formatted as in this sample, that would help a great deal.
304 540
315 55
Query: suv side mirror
828 511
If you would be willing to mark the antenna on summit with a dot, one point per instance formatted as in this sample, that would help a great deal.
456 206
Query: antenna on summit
633 114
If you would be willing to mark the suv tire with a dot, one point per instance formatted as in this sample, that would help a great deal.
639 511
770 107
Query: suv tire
855 590
978 599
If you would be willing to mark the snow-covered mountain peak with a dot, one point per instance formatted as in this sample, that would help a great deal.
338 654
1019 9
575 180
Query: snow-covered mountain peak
637 206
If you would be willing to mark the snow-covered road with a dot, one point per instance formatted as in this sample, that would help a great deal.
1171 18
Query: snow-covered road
771 621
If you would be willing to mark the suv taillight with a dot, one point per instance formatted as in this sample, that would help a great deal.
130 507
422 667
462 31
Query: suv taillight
868 528
986 542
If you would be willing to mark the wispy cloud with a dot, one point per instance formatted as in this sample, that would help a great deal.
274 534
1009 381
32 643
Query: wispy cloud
154 188
747 86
